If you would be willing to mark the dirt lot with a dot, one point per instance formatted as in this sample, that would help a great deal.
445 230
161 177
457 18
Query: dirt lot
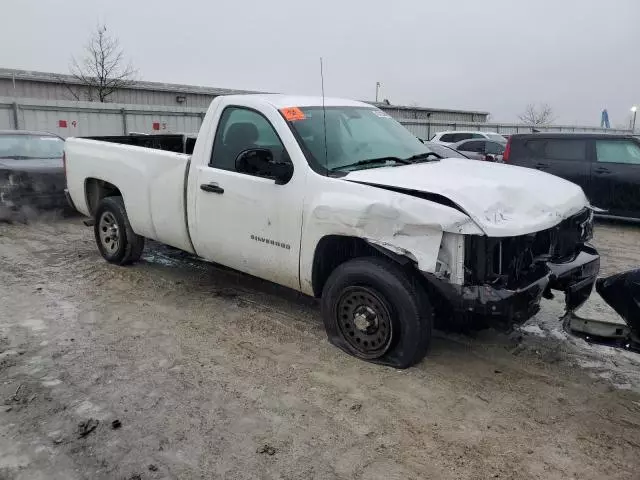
216 375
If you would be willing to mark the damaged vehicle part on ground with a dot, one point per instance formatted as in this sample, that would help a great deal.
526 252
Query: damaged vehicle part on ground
621 291
337 200
31 173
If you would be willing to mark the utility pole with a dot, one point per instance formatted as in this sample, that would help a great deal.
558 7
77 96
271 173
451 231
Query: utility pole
377 90
634 109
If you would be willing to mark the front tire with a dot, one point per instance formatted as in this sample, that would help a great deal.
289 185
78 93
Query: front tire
116 240
375 310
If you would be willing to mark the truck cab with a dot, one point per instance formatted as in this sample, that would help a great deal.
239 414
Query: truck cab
337 200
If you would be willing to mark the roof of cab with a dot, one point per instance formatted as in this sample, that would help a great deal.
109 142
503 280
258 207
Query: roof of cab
576 136
284 101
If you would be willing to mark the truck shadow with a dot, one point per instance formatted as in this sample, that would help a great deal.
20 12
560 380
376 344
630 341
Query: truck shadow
239 287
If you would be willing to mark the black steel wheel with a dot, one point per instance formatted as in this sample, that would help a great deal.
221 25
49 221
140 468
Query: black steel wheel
377 310
365 321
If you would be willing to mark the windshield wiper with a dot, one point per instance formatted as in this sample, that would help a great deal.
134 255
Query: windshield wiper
371 161
424 156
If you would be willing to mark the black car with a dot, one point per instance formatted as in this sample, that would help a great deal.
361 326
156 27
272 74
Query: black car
31 172
606 166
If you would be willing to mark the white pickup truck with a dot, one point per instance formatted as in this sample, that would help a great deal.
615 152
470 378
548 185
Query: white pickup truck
343 203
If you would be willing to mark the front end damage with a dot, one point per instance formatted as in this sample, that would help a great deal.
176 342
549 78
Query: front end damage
504 279
35 190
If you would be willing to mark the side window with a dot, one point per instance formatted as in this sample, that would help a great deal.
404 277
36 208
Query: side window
494 148
477 135
473 146
557 149
462 136
618 151
535 148
189 145
240 129
448 137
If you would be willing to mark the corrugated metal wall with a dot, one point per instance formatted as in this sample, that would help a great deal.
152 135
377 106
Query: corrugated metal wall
91 118
7 117
58 91
54 88
426 115
69 119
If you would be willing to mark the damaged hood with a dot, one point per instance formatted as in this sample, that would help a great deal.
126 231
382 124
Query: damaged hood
503 200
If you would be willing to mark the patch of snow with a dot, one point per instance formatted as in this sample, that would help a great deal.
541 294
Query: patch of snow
535 330
618 366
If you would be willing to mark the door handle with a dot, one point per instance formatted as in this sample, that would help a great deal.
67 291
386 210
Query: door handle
211 188
542 166
602 170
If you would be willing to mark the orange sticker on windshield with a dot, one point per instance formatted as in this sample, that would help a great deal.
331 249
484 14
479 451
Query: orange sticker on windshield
291 114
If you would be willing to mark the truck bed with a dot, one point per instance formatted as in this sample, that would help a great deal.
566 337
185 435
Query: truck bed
171 142
151 181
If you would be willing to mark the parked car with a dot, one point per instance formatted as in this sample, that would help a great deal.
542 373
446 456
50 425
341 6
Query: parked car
31 172
481 149
606 166
448 138
343 203
443 151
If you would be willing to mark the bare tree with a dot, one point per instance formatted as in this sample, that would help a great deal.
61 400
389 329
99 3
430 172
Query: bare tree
537 114
103 68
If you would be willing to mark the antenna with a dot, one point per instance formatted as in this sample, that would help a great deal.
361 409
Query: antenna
324 120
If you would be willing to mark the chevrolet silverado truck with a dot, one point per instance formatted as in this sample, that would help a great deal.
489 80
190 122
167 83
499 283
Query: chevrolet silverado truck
337 200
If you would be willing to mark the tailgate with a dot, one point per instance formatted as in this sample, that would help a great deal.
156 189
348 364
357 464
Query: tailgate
151 182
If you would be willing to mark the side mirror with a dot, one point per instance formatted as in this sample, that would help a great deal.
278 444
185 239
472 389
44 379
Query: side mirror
489 158
260 162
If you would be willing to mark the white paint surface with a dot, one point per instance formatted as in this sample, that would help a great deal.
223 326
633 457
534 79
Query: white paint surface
497 200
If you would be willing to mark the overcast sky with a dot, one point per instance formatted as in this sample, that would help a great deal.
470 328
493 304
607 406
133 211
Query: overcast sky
580 56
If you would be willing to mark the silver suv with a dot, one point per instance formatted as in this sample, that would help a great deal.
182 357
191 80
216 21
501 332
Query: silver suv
448 138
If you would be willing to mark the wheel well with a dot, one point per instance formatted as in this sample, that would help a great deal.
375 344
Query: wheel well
96 190
333 250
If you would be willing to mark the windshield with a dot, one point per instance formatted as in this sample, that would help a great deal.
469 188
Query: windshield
355 138
496 138
30 146
444 151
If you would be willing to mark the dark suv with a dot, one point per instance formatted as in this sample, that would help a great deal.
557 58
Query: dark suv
607 167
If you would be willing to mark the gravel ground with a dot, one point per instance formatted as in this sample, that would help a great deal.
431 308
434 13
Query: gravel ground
212 374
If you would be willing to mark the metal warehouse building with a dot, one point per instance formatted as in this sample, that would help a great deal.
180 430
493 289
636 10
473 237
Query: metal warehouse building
21 84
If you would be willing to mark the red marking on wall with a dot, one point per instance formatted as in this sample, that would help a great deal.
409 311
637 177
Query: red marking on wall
62 123
156 125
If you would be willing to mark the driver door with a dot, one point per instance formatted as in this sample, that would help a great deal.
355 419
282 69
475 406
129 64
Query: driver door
242 220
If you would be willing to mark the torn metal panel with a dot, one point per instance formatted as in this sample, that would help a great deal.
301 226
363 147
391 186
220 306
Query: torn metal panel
597 328
405 225
450 263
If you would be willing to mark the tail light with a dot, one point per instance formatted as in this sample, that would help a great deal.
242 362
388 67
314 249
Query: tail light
507 151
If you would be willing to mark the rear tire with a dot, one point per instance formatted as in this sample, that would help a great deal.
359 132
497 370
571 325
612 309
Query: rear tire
115 238
377 311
